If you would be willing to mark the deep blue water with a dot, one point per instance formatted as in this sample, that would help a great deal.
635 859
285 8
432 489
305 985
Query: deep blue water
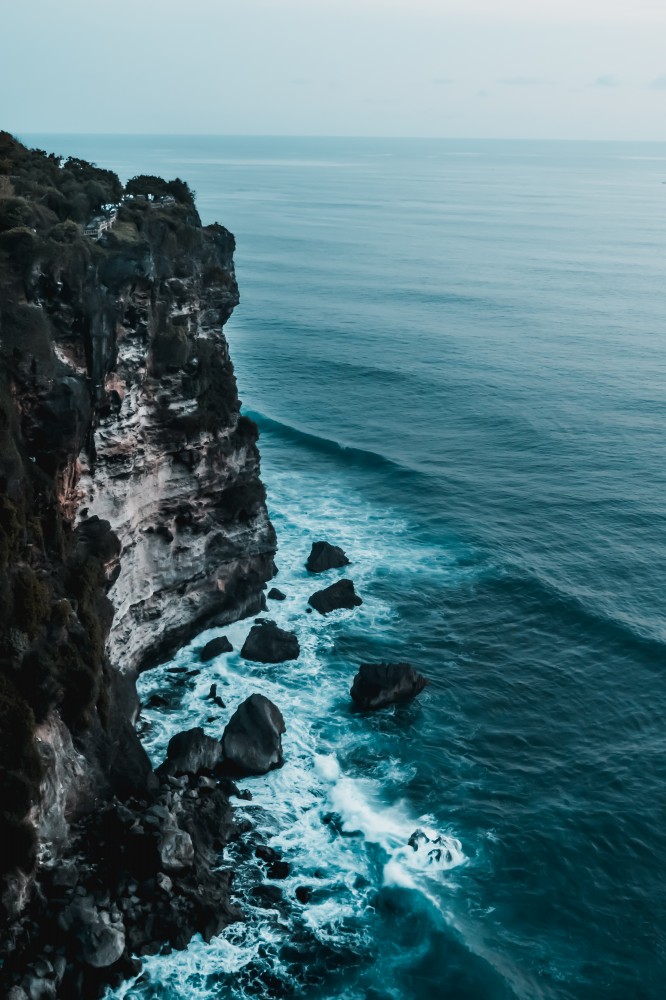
456 353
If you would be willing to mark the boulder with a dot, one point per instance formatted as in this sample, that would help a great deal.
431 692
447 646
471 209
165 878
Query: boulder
175 850
379 684
338 595
252 740
102 943
266 643
190 752
325 556
276 595
267 896
215 648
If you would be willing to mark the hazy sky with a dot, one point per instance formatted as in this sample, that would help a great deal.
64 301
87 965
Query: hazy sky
507 68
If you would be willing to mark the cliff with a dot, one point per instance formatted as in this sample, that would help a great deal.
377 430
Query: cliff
131 510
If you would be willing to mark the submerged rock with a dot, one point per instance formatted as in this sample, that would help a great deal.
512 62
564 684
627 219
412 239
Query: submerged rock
325 556
267 643
379 684
215 648
190 752
338 595
252 740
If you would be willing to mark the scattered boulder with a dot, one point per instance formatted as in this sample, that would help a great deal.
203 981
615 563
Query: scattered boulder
325 556
379 684
267 643
278 870
215 648
276 595
268 854
267 896
338 595
214 696
252 740
190 752
175 850
304 894
102 943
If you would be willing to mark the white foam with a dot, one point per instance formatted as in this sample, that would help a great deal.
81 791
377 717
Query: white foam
366 844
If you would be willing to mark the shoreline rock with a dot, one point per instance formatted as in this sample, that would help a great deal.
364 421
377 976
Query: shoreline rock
325 556
267 643
339 595
252 739
377 685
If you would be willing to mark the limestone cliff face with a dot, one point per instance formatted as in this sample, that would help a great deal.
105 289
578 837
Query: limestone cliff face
131 510
171 464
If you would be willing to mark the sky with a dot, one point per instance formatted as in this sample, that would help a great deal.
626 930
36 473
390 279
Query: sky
542 69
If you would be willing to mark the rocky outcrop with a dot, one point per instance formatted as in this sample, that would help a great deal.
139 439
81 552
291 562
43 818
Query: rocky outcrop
377 685
339 595
132 517
324 556
191 752
216 647
267 643
252 740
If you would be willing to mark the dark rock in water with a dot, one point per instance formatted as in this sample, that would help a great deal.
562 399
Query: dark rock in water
214 696
245 793
266 853
215 648
304 894
276 595
324 556
157 701
252 740
267 643
267 895
278 870
338 595
379 684
190 752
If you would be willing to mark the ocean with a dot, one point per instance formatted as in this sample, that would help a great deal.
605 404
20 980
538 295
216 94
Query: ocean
456 355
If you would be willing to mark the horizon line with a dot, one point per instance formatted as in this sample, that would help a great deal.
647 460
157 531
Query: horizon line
295 135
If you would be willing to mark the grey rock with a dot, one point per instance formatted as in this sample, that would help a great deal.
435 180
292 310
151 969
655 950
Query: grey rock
267 643
190 752
252 740
215 648
276 595
379 684
338 595
325 556
101 943
175 850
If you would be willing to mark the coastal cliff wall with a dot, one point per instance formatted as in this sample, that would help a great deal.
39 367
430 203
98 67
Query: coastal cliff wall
132 514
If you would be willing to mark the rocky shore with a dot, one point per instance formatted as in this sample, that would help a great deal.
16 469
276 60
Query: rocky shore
132 518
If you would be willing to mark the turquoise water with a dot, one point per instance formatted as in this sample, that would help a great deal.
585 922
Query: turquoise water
456 354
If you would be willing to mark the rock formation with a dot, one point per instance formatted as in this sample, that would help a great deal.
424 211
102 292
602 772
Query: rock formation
339 595
252 740
132 517
379 684
267 643
324 556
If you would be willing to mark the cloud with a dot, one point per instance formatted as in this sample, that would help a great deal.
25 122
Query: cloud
525 81
606 80
659 83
